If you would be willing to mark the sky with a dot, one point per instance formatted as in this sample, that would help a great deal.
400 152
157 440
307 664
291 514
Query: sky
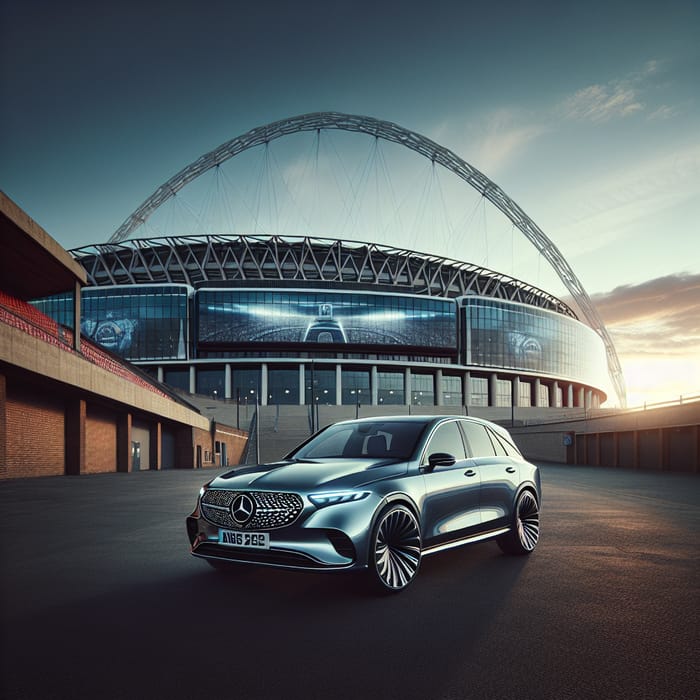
585 114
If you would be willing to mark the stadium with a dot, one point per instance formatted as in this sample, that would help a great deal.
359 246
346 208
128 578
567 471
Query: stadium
252 318
278 320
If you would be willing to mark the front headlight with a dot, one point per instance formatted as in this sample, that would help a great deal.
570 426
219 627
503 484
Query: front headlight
202 491
332 498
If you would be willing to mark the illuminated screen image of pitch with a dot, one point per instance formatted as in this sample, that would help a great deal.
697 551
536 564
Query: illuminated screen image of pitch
338 319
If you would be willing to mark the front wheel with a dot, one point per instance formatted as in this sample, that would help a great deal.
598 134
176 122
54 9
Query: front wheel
525 533
395 549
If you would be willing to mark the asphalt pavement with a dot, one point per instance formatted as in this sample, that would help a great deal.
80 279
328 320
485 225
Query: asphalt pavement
101 599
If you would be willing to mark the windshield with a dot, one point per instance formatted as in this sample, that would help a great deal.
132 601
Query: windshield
380 439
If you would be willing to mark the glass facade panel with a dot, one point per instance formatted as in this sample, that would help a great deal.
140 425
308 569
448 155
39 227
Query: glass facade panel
504 334
504 392
178 378
229 316
390 389
283 386
524 394
479 391
452 391
422 390
323 381
245 384
544 395
356 387
210 382
136 323
59 307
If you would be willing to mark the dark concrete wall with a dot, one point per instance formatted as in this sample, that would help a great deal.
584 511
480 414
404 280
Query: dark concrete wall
665 438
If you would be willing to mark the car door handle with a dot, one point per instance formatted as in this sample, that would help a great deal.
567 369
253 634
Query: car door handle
470 472
510 470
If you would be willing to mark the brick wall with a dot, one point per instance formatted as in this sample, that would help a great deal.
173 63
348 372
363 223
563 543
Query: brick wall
35 442
236 446
203 439
100 440
235 441
3 427
44 431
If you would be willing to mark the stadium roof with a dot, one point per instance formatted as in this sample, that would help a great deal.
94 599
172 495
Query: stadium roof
270 260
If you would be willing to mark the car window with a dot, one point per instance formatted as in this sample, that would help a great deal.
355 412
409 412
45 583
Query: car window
497 444
508 447
478 439
330 443
446 438
392 440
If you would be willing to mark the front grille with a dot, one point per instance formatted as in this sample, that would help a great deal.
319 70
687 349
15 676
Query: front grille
272 509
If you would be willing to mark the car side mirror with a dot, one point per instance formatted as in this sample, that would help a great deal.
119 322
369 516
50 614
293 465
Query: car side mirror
441 459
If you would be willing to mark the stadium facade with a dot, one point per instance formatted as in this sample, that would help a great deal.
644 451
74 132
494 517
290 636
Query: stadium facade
299 321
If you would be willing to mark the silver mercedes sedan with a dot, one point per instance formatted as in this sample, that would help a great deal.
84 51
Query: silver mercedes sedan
376 494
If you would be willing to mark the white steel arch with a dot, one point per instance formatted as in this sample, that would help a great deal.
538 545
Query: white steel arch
418 143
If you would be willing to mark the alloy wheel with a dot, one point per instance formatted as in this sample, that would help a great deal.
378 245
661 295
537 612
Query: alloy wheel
396 548
528 521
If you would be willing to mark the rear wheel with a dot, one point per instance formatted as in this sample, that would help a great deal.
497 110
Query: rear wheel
395 549
525 533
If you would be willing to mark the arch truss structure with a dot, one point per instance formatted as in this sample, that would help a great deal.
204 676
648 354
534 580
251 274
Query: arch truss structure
389 131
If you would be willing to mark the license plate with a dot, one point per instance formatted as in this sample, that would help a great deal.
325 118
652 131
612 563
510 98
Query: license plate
251 540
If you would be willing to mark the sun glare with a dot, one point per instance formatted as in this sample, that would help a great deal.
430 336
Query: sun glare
658 379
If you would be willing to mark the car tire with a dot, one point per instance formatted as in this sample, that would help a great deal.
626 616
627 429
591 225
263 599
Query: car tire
525 531
395 549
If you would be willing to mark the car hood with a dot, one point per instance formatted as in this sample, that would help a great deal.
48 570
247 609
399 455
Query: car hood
309 475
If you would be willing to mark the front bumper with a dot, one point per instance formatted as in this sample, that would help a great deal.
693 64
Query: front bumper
330 538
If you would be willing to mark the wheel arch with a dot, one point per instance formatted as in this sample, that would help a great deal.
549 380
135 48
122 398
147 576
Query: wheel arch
530 486
392 499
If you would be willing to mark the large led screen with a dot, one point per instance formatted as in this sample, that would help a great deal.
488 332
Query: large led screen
235 317
144 323
502 334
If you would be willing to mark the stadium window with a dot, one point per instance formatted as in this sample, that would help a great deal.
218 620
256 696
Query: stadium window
451 391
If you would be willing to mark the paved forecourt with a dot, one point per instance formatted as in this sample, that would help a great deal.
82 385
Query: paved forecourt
100 598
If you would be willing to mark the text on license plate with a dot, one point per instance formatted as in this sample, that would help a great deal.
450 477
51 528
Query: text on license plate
256 540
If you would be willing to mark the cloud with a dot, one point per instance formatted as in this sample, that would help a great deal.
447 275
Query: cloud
500 145
600 103
493 142
655 318
663 112
655 326
616 99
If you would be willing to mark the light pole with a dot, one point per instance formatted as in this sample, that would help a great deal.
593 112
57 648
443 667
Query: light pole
313 391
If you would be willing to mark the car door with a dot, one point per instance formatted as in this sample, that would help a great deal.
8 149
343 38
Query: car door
451 502
500 475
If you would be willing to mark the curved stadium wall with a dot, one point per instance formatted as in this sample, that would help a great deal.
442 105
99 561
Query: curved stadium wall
300 320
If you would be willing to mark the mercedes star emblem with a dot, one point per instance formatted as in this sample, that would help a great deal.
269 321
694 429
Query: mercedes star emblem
242 508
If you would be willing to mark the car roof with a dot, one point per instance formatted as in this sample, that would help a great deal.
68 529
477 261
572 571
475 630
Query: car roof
419 418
